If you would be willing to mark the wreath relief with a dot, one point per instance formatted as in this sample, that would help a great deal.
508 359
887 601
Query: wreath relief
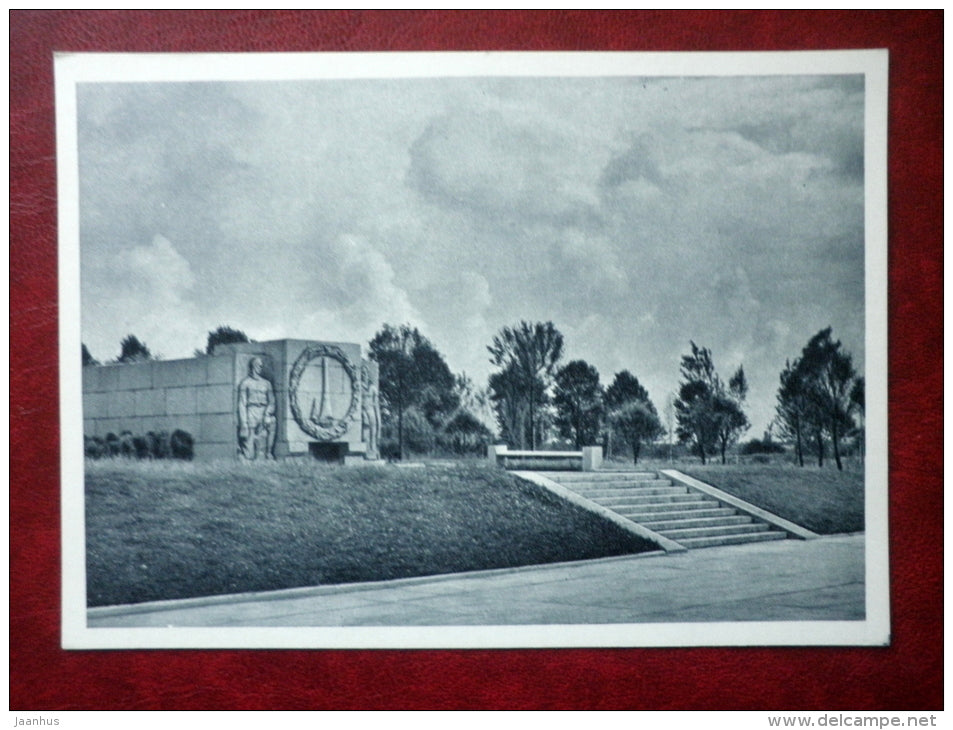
317 418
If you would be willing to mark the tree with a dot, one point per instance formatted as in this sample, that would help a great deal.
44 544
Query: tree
830 377
88 359
132 350
473 400
625 387
224 335
693 406
819 395
792 407
512 407
858 401
709 414
418 432
815 421
857 397
728 407
463 427
412 374
670 421
806 406
578 402
530 353
637 422
634 426
439 399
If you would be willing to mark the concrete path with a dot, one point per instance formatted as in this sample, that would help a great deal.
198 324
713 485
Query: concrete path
788 580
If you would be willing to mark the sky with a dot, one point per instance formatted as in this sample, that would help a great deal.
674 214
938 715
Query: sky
636 214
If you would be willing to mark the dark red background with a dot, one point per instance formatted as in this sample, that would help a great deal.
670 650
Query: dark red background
907 675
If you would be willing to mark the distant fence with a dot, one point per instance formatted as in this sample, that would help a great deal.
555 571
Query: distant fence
855 461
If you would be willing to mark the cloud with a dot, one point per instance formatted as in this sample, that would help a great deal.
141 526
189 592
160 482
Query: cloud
159 157
732 295
353 291
588 264
490 166
144 290
815 115
635 214
158 267
636 163
459 303
472 297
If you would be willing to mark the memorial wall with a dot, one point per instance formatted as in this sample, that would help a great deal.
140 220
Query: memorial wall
252 401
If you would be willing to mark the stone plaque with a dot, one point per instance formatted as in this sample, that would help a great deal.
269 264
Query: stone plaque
324 390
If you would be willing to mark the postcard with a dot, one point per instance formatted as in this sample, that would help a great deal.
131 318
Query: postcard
473 350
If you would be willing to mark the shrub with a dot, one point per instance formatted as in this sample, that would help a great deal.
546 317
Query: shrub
465 434
112 444
181 445
141 446
88 359
419 435
159 444
126 446
133 350
94 447
223 336
757 446
658 451
389 448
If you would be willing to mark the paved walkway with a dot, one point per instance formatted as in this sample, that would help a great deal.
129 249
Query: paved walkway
788 580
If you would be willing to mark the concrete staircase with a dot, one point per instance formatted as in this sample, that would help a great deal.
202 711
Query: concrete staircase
690 518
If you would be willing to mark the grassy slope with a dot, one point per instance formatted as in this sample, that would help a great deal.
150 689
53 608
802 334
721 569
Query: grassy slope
823 500
161 530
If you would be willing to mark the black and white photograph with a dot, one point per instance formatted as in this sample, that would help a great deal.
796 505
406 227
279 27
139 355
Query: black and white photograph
423 350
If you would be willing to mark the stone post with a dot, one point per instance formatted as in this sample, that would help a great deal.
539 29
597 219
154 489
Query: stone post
591 458
493 451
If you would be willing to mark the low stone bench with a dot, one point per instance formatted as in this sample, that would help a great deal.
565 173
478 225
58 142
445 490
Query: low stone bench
589 459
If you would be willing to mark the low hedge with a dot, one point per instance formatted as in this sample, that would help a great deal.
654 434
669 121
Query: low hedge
153 445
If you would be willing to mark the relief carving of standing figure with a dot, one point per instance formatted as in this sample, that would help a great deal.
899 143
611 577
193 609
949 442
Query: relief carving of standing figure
371 413
256 414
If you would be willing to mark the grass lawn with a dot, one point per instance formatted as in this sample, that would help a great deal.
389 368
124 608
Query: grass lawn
174 530
823 500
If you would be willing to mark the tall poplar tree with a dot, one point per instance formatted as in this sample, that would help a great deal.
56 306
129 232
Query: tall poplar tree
528 353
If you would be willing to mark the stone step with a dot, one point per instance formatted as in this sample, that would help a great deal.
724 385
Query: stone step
695 521
648 499
619 484
677 513
641 491
715 531
691 519
564 477
703 542
661 508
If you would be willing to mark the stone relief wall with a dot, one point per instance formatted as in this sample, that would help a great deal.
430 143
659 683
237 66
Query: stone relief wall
247 400
195 396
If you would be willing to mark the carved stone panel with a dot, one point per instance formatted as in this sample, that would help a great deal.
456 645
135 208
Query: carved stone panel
370 410
257 423
324 391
